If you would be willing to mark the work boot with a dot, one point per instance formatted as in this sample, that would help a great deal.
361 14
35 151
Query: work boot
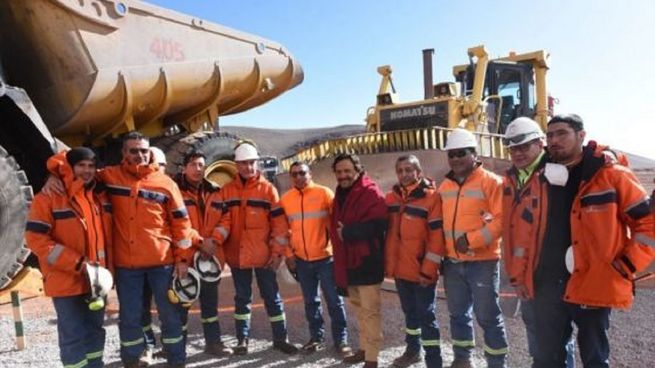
285 346
344 350
146 358
461 363
241 348
371 365
408 358
218 349
313 346
358 357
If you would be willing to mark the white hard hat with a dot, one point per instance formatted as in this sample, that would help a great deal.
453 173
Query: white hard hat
158 155
209 269
569 260
460 138
522 130
185 290
245 152
101 282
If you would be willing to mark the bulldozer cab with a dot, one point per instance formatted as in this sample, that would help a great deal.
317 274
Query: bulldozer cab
509 90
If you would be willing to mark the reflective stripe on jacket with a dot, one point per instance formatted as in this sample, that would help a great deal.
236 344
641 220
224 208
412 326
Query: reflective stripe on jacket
151 223
610 221
65 230
253 226
414 243
308 214
473 209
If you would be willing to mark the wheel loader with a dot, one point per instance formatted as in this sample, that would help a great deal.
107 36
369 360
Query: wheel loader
84 72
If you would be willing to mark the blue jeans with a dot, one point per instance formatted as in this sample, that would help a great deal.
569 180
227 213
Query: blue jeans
129 284
473 287
529 318
310 274
208 312
269 291
419 305
81 335
146 317
554 326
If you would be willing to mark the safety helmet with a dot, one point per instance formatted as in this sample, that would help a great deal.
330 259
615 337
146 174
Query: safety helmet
522 130
245 151
185 290
209 269
158 156
460 138
101 281
569 260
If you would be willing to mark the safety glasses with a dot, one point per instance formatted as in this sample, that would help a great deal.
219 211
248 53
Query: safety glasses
298 173
457 153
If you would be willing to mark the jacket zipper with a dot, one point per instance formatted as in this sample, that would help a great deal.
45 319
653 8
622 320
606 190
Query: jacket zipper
455 217
302 222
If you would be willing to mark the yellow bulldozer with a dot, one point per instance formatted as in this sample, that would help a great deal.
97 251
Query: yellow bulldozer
485 96
84 72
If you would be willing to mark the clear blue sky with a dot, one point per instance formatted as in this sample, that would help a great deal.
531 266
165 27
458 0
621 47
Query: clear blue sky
601 54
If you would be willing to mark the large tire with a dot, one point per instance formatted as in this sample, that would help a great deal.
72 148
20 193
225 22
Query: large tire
15 198
216 146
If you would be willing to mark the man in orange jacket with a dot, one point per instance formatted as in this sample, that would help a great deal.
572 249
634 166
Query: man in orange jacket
594 231
524 140
414 246
472 224
307 206
202 200
66 232
253 234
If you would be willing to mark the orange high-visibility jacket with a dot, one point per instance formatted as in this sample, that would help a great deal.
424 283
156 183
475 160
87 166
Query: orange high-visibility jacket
151 223
473 209
65 230
610 221
414 244
308 213
253 226
205 209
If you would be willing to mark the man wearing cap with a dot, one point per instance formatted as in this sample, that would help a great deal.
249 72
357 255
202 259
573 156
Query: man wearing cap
413 250
202 200
253 234
357 231
594 230
67 231
472 224
524 140
307 206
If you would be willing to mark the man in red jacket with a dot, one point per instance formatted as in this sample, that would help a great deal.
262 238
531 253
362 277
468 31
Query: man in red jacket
357 230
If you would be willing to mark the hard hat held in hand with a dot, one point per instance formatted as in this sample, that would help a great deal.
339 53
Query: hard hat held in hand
245 152
460 138
185 290
209 269
101 282
569 260
522 130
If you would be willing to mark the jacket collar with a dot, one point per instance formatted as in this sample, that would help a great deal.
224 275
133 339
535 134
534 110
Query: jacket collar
205 185
139 171
418 191
477 170
307 187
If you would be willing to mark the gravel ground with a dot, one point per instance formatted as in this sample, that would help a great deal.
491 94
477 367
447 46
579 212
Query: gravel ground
631 347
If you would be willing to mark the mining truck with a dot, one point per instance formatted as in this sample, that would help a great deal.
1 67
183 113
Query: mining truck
84 72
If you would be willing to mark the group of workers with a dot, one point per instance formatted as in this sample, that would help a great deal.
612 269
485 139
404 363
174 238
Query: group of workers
575 223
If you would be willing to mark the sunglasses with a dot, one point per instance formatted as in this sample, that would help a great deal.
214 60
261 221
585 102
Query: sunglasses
298 173
457 153
136 151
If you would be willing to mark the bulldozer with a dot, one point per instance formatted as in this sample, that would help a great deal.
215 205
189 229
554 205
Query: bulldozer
84 72
485 97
